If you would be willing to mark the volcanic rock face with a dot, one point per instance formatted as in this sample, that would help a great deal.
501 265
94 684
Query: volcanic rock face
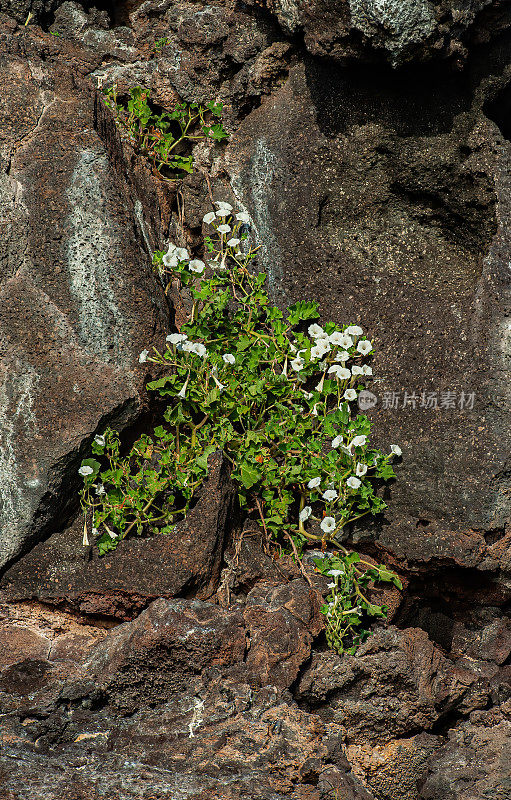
74 312
370 145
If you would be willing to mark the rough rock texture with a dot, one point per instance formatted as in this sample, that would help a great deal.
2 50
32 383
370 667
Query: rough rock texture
384 193
396 684
391 208
186 561
162 706
394 30
74 310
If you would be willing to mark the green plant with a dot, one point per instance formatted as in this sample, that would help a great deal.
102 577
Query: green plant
274 391
160 44
161 137
347 604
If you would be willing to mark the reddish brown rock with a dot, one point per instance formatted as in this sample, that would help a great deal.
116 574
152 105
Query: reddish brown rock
187 561
282 622
396 684
159 653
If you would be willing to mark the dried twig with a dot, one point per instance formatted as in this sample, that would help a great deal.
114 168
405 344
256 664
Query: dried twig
299 560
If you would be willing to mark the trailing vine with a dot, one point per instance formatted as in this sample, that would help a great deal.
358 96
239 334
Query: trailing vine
161 137
276 393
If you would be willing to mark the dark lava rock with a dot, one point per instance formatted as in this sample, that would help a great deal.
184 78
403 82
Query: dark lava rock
60 571
397 683
79 301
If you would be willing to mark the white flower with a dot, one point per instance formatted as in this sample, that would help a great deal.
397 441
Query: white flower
222 204
345 341
319 387
188 347
361 470
336 573
224 229
354 330
242 216
111 533
356 370
222 213
100 489
228 358
305 513
170 260
314 483
314 411
350 394
342 356
341 373
346 450
233 242
143 356
336 338
316 331
367 370
307 395
297 364
331 585
182 253
176 338
364 346
219 385
395 450
353 482
321 348
337 441
197 265
328 524
209 217
199 349
359 441
84 471
100 440
329 495
182 393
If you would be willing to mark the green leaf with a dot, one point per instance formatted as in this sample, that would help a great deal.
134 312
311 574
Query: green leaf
249 475
302 310
202 460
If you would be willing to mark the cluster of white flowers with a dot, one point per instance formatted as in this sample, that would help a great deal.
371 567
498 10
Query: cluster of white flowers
181 343
330 494
175 255
342 341
333 606
180 255
331 352
227 223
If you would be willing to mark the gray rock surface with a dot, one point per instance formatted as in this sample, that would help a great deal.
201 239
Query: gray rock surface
394 215
78 301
